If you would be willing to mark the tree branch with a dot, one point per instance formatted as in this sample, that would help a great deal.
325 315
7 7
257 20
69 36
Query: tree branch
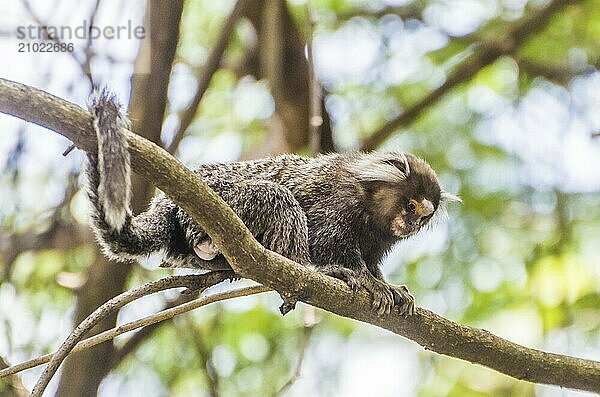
148 330
150 320
483 55
249 259
194 282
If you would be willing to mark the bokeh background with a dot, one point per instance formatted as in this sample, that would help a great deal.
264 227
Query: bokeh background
502 97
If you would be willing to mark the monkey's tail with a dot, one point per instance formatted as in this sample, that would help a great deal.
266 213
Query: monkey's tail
110 171
122 236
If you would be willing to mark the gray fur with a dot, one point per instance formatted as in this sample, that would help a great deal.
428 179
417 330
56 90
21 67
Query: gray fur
333 212
114 191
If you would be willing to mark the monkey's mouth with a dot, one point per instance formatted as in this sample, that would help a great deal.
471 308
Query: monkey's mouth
403 229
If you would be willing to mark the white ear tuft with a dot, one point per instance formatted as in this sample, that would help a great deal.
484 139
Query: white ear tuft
376 166
441 213
406 166
449 198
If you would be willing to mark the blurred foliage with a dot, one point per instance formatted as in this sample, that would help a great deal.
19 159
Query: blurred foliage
520 257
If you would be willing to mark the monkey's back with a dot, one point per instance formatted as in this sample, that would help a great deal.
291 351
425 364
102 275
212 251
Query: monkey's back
327 191
311 180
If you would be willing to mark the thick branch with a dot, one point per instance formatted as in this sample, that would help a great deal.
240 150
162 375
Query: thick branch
483 55
250 259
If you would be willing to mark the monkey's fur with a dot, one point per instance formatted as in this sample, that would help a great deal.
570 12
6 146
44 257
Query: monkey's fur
340 213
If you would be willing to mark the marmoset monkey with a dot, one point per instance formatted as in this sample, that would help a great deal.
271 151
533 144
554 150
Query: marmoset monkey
340 213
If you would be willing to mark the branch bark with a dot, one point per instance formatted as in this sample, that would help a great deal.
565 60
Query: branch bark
249 259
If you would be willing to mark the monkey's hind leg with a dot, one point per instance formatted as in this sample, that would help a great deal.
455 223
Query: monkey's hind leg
273 216
269 211
348 276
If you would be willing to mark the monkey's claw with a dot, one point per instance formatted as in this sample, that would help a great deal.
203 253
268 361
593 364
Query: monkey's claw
383 298
234 278
403 299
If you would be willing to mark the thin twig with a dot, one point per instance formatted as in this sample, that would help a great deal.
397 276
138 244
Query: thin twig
136 339
58 41
192 282
306 334
212 65
133 325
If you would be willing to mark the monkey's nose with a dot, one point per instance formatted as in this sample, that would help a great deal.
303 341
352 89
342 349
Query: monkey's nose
412 223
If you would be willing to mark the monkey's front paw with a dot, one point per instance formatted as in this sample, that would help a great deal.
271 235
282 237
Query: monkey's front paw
383 298
403 299
342 273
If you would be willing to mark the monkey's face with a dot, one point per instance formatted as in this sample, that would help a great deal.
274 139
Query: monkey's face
411 217
418 197
402 191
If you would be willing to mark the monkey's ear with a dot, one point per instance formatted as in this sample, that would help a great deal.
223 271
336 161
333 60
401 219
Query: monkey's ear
449 198
401 163
385 167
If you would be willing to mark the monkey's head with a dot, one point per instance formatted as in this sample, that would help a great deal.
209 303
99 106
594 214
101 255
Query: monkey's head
402 190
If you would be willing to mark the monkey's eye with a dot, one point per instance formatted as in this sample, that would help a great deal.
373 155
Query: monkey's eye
412 207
